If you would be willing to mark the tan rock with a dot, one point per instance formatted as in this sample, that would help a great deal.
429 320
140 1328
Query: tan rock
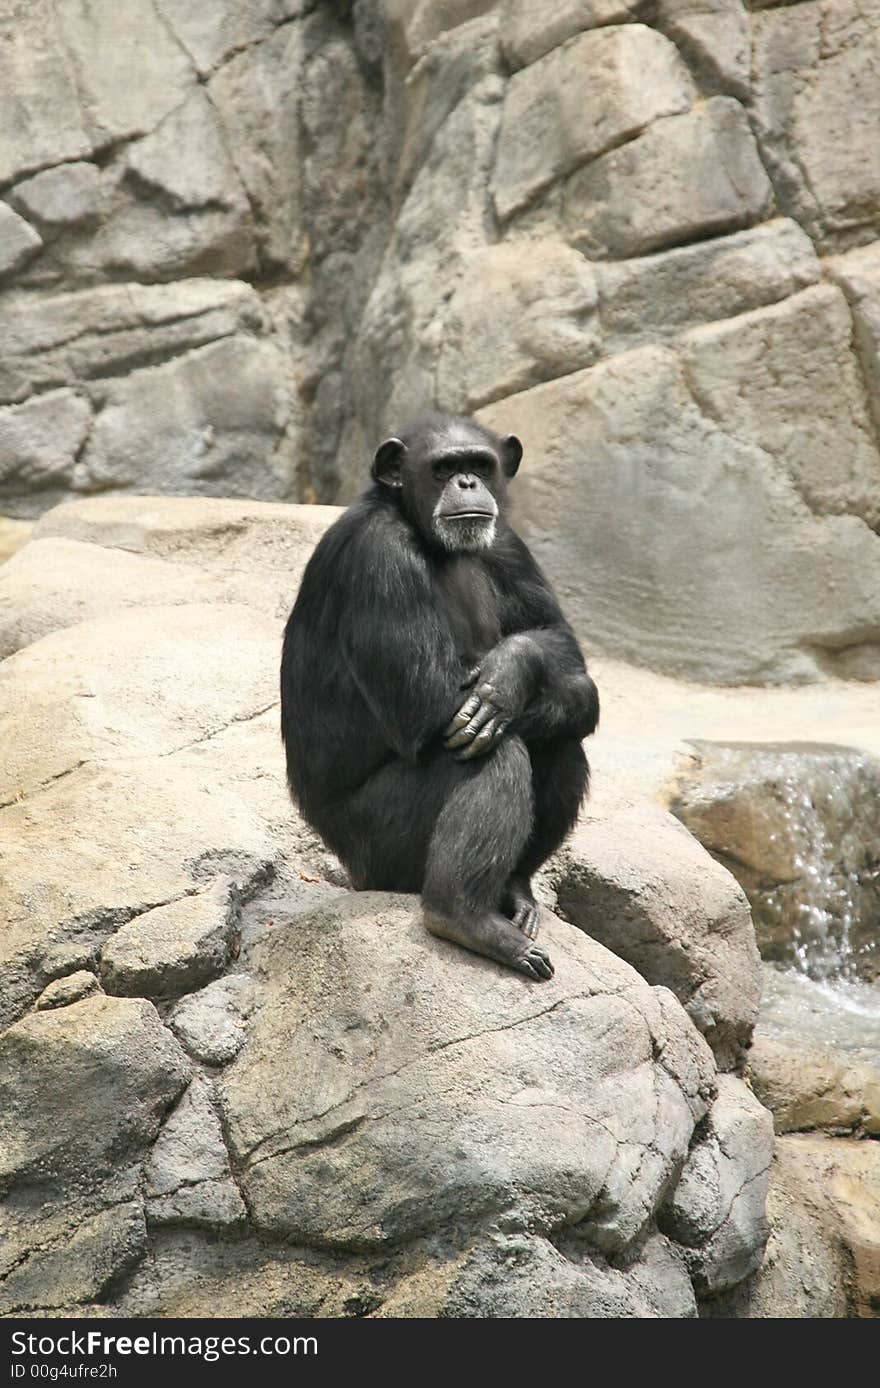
580 101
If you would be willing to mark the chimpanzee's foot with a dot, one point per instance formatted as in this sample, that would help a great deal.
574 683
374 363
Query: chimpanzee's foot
520 906
495 937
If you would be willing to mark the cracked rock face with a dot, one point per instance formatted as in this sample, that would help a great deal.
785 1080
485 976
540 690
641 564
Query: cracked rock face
361 211
231 1083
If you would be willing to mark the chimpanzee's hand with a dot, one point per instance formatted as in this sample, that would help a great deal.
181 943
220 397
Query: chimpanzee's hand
505 683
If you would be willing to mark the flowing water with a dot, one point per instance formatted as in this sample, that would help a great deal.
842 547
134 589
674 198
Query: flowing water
799 825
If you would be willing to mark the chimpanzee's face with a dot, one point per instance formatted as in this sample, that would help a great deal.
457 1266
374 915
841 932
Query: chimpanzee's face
451 478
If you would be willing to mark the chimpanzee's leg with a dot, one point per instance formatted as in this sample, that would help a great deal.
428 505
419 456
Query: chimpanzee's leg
560 781
455 831
479 837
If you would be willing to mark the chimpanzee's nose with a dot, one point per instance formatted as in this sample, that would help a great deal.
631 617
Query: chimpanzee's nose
466 481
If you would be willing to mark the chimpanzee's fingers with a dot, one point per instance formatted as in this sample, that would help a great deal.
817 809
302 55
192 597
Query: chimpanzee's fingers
500 730
476 724
471 677
464 715
481 743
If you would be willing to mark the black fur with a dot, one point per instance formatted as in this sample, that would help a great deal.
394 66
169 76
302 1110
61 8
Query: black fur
379 656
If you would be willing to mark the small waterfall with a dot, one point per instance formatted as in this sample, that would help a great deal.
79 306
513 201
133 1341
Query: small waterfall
799 825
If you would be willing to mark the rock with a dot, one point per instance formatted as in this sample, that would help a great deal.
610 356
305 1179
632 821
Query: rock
256 96
67 990
83 79
185 160
218 535
532 27
18 241
442 223
578 102
439 1078
715 39
61 339
819 149
106 1070
61 196
13 535
212 1023
176 948
687 594
447 69
194 1273
105 555
858 275
808 1088
804 1274
522 313
822 1257
660 295
53 584
687 176
40 443
821 439
515 1275
416 26
212 35
179 425
794 822
80 1268
632 880
719 1201
188 1180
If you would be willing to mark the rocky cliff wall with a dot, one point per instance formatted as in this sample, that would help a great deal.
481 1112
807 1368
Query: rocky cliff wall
238 243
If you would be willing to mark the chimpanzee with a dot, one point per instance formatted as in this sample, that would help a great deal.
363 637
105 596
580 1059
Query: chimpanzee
433 697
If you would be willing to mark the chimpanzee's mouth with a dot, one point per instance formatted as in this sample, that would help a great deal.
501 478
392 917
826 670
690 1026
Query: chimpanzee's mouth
466 515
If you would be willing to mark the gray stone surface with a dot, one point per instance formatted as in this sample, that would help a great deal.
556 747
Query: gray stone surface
821 1258
718 1204
212 1023
322 203
809 414
40 442
465 1070
175 948
522 312
532 28
106 1070
18 241
425 1086
79 1268
858 275
631 879
809 1088
64 991
689 176
187 1177
578 102
656 297
183 424
728 529
715 38
819 147
61 196
60 339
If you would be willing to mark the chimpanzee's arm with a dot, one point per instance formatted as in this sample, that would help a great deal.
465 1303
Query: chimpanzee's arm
394 639
534 681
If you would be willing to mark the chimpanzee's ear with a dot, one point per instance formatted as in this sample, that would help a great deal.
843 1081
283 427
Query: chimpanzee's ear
387 461
511 453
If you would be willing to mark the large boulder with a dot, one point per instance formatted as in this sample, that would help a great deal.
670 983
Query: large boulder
631 879
731 515
284 1090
